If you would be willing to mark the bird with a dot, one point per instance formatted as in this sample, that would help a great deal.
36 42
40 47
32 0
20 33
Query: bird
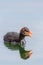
15 41
17 37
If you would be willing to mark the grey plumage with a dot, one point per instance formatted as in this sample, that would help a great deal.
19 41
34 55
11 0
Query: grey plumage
11 36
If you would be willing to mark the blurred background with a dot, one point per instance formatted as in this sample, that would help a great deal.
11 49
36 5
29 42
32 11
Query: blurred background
15 14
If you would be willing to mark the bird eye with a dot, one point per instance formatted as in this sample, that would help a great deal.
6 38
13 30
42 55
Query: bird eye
24 30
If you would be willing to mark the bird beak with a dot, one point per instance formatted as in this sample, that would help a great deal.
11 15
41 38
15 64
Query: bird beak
30 53
28 33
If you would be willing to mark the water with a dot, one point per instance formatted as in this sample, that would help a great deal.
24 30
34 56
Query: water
13 16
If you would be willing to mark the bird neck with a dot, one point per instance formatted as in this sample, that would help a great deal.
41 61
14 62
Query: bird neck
21 37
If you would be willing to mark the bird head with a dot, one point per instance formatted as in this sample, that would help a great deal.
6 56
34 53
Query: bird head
25 31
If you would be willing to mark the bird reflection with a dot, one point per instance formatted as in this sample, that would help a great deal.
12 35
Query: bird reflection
24 54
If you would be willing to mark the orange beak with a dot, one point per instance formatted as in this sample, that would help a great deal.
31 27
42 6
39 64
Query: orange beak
30 53
28 33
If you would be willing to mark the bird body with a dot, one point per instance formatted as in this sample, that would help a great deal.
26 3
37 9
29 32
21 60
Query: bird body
11 36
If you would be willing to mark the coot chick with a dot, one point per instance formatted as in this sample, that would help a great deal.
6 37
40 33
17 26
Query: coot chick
17 37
